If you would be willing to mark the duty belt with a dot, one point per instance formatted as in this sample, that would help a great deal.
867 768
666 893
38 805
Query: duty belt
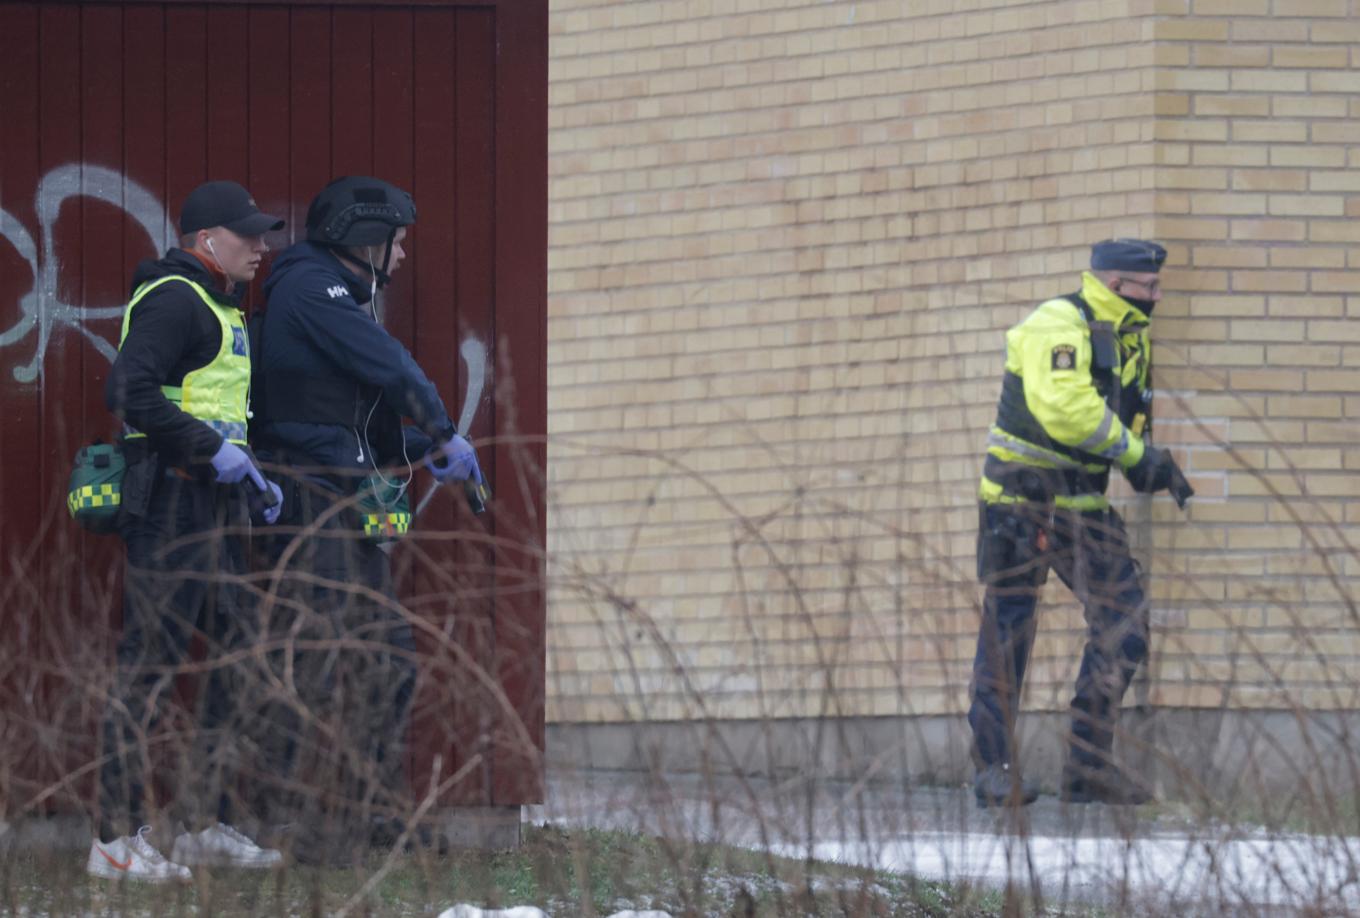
1042 485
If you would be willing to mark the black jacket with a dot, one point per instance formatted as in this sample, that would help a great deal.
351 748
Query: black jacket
318 342
172 333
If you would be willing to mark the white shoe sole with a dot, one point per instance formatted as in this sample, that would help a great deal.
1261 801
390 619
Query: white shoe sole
183 856
109 872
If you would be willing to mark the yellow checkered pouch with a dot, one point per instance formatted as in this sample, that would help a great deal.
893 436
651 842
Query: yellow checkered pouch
96 487
384 508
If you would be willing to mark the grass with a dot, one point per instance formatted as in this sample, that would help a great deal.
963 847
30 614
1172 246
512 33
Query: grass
1283 813
565 872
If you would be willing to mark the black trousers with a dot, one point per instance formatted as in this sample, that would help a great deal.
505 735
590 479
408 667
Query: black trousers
1017 545
344 674
181 580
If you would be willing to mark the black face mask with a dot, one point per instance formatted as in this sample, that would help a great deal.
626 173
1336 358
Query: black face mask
1145 306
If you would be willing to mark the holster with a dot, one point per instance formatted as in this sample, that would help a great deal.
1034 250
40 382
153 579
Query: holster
143 472
1012 548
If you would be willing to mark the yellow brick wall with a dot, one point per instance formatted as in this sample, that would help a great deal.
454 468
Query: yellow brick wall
1258 191
786 239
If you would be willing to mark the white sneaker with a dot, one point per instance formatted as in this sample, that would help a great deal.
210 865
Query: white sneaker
134 857
223 846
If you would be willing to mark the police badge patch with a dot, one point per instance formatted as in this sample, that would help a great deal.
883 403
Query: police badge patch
238 343
1064 357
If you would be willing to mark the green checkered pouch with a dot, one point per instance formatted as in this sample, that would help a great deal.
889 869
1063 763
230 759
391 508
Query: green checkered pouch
96 487
385 508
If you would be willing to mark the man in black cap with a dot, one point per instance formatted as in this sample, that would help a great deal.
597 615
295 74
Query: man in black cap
180 385
1075 400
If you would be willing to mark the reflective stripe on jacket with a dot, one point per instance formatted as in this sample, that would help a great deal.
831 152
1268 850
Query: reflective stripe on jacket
218 392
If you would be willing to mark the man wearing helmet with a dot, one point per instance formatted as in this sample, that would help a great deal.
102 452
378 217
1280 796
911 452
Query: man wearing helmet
331 389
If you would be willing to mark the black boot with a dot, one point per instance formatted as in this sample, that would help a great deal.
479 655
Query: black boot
998 785
1109 784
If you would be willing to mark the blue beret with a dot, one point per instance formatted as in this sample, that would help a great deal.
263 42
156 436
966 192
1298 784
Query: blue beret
1135 255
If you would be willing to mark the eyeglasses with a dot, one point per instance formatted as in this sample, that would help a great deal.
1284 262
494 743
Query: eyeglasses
1152 287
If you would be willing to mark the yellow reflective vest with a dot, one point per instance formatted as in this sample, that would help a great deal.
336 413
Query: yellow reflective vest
1074 401
218 393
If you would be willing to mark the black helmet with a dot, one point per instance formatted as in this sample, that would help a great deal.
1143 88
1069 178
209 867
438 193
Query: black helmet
358 210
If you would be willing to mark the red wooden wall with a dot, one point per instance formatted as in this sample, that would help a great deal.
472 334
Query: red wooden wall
110 113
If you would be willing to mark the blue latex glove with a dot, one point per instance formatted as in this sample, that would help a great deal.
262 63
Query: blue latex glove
231 463
455 460
271 514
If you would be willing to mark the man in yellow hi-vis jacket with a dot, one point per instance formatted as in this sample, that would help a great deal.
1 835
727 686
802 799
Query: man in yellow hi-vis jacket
181 387
1074 401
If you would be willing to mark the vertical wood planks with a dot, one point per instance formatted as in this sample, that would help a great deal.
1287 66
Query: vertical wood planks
143 101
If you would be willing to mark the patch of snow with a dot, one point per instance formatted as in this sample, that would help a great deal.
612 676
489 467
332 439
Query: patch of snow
1284 870
528 911
847 886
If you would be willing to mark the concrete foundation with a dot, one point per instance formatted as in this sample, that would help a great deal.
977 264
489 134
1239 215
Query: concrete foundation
491 828
1220 756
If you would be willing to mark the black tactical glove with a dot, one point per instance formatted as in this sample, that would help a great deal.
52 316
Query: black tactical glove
1157 471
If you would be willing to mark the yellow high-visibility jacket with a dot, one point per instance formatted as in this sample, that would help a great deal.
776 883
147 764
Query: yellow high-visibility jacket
1074 400
218 394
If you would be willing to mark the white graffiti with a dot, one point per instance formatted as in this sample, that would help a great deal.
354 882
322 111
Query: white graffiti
474 355
41 309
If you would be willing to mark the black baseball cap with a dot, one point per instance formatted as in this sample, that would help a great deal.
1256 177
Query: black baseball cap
224 204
